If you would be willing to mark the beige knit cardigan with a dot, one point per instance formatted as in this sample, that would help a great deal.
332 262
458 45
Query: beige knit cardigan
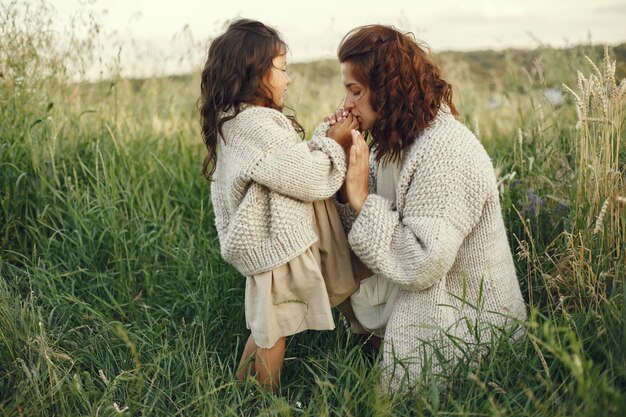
443 241
264 182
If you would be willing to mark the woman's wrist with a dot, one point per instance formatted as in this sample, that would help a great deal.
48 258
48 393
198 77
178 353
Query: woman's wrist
357 204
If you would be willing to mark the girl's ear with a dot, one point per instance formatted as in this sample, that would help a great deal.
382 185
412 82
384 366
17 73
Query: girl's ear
266 78
265 85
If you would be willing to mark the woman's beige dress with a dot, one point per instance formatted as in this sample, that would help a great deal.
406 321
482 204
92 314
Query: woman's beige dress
299 295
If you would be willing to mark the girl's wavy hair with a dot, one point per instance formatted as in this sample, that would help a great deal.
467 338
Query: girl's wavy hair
233 75
406 86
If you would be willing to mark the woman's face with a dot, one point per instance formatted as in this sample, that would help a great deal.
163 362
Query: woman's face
357 99
277 80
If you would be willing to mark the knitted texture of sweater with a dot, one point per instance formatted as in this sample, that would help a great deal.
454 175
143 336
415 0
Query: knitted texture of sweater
264 182
443 241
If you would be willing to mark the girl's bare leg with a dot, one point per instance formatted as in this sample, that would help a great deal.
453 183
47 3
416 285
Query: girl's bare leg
269 364
246 364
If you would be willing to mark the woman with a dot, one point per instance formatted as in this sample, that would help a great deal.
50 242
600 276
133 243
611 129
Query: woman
432 227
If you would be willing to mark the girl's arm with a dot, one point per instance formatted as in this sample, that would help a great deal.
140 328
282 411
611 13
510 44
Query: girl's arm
307 171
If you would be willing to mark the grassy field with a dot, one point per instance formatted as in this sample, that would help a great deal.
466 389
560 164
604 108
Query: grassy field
114 299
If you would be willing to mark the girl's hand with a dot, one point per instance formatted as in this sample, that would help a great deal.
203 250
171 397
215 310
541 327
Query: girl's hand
337 116
340 132
357 178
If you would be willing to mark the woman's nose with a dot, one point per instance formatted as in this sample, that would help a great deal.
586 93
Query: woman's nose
347 102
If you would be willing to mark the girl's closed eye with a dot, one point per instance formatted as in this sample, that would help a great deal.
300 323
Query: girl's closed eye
280 67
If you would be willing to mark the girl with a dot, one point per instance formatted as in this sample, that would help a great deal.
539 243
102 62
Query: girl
430 196
269 192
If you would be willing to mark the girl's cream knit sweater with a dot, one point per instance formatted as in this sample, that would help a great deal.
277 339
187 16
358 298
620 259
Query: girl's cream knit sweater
265 180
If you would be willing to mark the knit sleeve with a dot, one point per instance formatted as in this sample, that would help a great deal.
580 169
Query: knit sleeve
307 171
347 215
417 247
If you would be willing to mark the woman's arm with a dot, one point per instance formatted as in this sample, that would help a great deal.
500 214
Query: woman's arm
365 173
417 247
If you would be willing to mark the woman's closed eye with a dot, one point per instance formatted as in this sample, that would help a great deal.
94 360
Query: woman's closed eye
356 94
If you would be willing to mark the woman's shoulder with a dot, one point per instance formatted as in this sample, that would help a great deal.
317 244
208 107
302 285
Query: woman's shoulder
449 137
448 145
448 126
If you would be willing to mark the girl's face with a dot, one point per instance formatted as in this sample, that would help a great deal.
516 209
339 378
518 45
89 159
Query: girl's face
357 99
277 80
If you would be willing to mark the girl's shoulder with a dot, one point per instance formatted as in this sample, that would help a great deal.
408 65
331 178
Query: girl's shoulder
259 127
262 115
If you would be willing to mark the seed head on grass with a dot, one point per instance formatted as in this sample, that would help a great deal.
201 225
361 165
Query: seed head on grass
599 225
118 409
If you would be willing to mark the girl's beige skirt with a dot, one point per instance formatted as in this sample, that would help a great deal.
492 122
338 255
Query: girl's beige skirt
299 295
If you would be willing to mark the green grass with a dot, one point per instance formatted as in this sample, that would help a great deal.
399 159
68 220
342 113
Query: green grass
113 293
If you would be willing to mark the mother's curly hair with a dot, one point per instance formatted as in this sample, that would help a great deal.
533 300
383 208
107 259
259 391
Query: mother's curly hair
406 87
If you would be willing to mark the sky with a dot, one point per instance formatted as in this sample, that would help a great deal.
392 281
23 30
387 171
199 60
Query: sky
171 36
